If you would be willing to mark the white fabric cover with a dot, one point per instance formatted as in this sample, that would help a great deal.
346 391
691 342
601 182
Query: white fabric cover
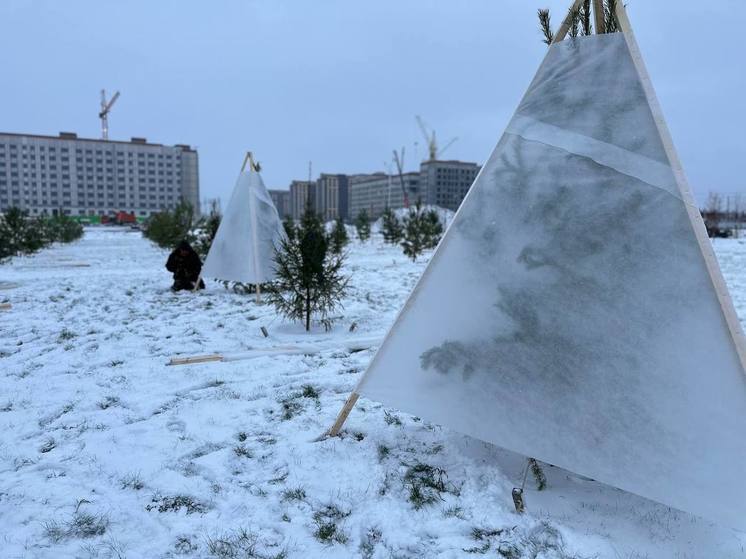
568 314
243 248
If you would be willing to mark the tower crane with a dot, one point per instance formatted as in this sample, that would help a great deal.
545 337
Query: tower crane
431 140
104 113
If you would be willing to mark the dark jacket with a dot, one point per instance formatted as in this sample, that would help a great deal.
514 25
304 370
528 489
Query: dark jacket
184 263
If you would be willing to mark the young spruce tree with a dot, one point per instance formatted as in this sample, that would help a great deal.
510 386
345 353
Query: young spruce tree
415 233
433 228
392 229
362 224
289 225
338 237
309 275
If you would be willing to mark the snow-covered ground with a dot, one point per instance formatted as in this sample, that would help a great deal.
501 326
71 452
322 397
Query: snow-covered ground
105 451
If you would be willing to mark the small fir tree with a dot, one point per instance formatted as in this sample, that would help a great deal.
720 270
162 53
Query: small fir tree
392 229
433 228
338 238
309 275
415 240
362 225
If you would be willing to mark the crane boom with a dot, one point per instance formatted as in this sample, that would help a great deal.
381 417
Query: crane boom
400 167
449 144
111 102
104 113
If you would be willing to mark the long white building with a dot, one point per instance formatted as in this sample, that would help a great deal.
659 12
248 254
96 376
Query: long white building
49 175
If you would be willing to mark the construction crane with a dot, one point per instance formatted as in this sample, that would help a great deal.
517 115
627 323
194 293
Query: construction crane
431 140
104 113
399 160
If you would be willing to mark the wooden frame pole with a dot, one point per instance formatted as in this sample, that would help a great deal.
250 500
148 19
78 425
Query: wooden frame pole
598 16
565 27
344 412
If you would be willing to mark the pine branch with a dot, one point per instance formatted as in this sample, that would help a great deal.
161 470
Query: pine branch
610 20
585 18
573 16
545 24
539 477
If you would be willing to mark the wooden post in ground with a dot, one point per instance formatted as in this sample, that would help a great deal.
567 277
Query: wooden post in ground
342 417
598 15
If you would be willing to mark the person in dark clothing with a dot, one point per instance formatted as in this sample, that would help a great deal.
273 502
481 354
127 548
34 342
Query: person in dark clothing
185 265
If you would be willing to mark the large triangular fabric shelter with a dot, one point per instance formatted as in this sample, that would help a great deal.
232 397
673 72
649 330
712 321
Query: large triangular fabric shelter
249 232
574 311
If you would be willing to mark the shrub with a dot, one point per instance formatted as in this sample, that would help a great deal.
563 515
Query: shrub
392 228
167 229
362 224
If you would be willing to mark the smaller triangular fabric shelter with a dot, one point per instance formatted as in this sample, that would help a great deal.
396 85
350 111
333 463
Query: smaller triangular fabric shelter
250 230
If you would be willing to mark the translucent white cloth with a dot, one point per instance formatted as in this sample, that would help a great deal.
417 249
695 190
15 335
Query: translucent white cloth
568 314
244 245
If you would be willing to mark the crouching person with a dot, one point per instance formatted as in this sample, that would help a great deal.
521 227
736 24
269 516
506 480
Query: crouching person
185 265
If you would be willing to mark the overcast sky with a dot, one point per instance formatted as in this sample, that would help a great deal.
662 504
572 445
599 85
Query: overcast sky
339 82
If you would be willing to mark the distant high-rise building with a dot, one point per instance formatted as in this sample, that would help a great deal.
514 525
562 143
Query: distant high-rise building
49 175
281 200
445 183
374 193
437 183
302 193
330 199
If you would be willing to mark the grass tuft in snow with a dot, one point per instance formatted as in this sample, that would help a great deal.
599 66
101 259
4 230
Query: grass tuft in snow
297 494
66 335
174 503
242 451
48 445
368 544
80 525
425 484
309 392
383 452
108 402
132 481
391 419
242 544
327 522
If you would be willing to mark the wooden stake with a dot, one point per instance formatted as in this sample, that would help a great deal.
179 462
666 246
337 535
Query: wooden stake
565 27
598 15
195 359
196 285
258 293
342 417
